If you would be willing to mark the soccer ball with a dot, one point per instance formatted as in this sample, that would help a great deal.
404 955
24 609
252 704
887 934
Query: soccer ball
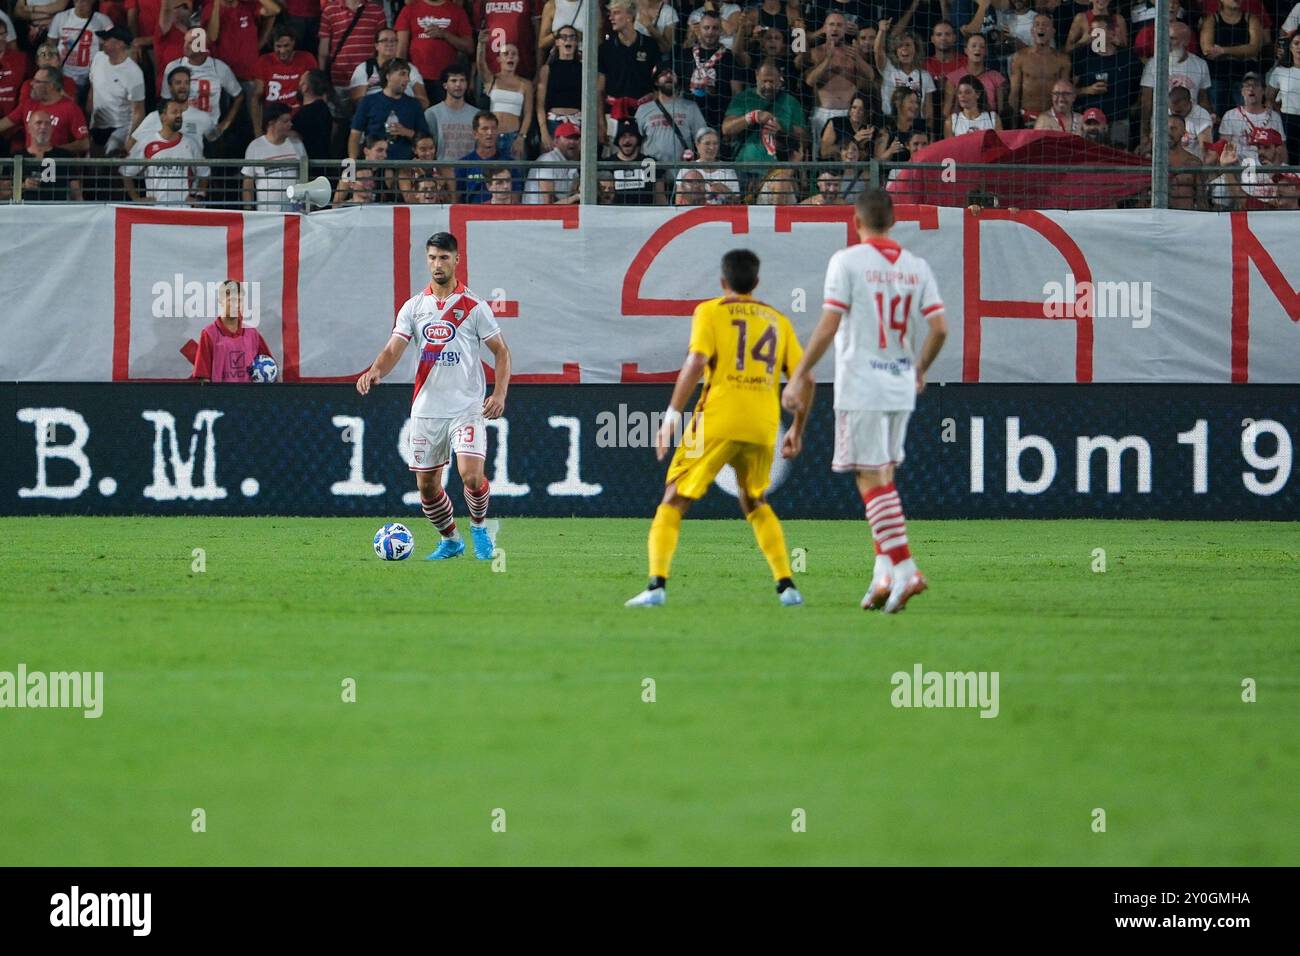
263 369
394 542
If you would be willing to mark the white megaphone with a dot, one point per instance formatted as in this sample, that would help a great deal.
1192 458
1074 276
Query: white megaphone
315 193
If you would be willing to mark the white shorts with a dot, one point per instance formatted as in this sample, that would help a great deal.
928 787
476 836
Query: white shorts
868 439
434 439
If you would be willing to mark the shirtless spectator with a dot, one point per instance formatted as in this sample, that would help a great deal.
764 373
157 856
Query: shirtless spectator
1186 190
838 73
1061 117
1034 72
1198 124
70 129
1098 14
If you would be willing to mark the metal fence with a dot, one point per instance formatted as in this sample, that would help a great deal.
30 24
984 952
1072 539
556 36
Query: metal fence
261 185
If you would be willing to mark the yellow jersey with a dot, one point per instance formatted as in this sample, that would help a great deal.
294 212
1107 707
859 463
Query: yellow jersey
749 345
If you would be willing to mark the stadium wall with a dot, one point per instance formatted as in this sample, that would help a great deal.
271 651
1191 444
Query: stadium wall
974 451
602 294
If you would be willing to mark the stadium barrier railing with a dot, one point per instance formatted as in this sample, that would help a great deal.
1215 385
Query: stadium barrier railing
221 183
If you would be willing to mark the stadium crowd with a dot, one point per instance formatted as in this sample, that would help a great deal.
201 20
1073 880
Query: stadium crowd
483 101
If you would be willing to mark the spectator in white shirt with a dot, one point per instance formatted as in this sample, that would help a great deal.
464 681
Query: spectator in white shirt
269 182
1284 91
174 185
1197 121
1185 69
76 30
197 125
209 78
116 100
1240 122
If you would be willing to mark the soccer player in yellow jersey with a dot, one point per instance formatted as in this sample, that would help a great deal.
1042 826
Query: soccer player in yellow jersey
741 347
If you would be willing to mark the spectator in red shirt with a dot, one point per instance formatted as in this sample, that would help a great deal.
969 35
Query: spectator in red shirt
227 347
142 20
233 35
48 54
13 71
279 72
70 130
514 18
169 34
433 34
302 17
348 29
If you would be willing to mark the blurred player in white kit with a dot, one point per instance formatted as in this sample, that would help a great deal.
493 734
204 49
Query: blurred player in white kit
877 297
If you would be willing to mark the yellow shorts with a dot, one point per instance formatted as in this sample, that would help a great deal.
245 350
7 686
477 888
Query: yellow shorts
694 473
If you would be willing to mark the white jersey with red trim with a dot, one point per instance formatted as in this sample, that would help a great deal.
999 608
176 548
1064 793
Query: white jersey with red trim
886 295
449 379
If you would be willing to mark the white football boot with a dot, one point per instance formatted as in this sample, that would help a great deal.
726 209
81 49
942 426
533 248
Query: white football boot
650 597
881 583
908 582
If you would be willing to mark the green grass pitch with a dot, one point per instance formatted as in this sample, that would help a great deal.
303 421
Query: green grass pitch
522 690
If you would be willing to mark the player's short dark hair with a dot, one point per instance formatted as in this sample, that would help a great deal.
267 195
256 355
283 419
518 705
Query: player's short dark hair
456 69
442 240
740 270
875 208
272 112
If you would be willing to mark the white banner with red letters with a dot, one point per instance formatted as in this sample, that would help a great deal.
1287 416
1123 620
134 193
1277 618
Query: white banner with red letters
604 294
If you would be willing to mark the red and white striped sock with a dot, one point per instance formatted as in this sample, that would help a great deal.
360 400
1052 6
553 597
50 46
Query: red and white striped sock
438 511
888 526
477 502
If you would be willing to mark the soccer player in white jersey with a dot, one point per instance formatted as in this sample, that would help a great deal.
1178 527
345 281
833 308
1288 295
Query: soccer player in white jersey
449 409
877 296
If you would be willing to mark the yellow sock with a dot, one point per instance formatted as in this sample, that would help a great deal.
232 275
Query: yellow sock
771 540
663 539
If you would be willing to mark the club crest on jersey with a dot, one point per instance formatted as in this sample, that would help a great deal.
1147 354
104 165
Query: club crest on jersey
439 333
